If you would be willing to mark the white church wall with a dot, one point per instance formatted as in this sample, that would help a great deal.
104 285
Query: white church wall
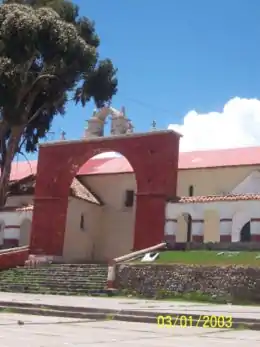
233 216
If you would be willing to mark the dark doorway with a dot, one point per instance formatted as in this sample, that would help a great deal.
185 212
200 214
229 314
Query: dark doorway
189 228
245 233
188 220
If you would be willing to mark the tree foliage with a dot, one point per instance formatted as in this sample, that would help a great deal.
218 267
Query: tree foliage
46 55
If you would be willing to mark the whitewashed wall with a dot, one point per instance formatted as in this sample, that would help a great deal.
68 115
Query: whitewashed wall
240 212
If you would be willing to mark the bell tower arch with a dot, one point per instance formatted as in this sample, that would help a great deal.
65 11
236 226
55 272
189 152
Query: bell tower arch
153 157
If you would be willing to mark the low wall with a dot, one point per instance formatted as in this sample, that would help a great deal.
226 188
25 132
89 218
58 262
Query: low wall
224 284
13 257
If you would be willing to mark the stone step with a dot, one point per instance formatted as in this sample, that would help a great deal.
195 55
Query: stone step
53 268
56 271
43 267
54 287
73 266
64 283
58 276
66 279
52 292
55 278
53 282
49 269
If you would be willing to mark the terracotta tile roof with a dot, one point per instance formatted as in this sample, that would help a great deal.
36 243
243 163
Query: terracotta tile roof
81 192
213 198
187 160
220 158
77 189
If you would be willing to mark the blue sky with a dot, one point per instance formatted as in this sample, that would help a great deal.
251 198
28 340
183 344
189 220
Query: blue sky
180 58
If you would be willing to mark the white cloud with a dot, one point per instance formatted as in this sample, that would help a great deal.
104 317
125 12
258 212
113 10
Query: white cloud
238 125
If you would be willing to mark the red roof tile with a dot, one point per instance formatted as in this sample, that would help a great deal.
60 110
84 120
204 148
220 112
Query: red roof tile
219 158
22 169
213 198
77 189
108 166
187 160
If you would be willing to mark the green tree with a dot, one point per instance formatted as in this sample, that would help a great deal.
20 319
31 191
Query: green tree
48 55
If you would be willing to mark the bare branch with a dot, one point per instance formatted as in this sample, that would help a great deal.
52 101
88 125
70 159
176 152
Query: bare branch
42 77
34 85
37 113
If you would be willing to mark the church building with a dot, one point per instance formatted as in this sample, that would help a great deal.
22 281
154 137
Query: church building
217 200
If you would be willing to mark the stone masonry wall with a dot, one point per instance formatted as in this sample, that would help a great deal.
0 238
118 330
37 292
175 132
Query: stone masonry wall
227 284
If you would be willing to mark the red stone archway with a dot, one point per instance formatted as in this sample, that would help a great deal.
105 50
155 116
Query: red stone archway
154 158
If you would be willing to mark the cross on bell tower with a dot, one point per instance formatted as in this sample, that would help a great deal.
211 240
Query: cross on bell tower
153 128
63 134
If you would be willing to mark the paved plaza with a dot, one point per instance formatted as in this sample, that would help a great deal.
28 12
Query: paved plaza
40 331
119 304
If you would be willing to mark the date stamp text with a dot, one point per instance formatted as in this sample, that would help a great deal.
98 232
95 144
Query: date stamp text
204 321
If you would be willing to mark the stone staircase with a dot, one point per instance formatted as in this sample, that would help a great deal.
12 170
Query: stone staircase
62 279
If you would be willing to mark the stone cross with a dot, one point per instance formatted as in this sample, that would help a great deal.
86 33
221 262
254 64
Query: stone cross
153 125
63 135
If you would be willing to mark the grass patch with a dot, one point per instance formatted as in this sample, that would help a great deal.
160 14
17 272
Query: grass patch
209 258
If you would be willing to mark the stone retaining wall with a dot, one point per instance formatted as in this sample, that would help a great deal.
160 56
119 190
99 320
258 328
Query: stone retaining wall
226 284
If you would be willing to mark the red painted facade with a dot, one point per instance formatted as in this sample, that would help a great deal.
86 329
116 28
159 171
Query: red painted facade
154 158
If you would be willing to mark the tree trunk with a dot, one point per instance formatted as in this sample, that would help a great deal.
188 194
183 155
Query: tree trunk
12 146
3 132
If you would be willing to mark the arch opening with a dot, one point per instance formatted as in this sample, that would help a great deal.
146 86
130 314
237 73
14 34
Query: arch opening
245 233
101 210
239 221
184 230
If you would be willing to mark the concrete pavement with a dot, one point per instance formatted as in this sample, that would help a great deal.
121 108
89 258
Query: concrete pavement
128 304
53 332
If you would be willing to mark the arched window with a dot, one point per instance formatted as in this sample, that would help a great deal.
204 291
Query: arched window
82 222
